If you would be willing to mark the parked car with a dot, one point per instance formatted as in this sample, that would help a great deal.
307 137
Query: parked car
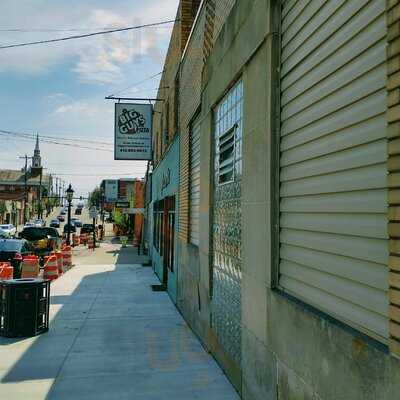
29 224
13 251
43 240
72 228
54 223
9 229
77 222
4 234
39 223
87 228
61 218
63 212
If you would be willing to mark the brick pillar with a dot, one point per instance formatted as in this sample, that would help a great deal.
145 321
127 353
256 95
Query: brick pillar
393 117
209 29
188 10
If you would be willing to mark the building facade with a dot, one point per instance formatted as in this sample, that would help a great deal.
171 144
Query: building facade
162 214
25 192
130 191
288 266
165 203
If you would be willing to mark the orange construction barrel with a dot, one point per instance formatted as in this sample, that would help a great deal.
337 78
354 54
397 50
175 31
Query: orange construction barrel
50 268
30 267
60 262
67 257
6 271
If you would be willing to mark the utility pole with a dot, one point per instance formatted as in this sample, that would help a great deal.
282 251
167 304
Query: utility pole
57 188
26 186
25 157
59 191
39 210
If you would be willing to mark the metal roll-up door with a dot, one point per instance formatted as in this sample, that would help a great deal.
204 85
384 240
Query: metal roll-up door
194 183
334 241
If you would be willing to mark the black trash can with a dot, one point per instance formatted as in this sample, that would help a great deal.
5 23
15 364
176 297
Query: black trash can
24 307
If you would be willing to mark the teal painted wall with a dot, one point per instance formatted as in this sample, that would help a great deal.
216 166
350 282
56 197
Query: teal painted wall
168 167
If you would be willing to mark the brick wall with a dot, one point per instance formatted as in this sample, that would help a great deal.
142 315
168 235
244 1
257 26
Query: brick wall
165 120
139 203
393 86
190 100
189 10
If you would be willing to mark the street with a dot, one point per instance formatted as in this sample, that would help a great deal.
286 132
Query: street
111 337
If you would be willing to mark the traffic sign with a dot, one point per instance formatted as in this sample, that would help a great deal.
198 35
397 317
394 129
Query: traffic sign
122 204
93 212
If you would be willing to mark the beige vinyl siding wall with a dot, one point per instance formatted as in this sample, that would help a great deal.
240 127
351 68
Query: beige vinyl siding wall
334 240
194 182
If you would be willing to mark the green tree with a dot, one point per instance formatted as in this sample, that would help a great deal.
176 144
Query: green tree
120 220
95 198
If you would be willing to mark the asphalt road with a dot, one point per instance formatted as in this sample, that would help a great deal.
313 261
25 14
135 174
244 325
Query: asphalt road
84 217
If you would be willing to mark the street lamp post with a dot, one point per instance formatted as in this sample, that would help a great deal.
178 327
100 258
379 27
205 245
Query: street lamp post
69 194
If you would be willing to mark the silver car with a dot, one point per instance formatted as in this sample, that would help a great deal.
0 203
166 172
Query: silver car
39 223
8 230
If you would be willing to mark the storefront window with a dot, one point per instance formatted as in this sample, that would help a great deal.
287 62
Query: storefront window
164 230
158 216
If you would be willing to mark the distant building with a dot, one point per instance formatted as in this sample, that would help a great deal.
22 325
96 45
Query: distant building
130 191
20 189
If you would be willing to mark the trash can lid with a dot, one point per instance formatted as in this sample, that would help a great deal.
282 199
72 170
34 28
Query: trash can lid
24 281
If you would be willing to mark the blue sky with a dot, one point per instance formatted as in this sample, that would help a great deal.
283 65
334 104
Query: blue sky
59 89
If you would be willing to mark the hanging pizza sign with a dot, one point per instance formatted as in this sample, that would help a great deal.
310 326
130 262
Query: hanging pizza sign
133 131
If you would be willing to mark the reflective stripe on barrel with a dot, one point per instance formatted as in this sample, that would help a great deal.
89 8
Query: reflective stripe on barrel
50 268
30 267
59 257
67 257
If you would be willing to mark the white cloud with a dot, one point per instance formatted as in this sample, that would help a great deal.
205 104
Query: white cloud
66 110
89 117
102 59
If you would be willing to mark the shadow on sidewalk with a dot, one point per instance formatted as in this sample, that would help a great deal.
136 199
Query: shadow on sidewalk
129 255
114 338
44 358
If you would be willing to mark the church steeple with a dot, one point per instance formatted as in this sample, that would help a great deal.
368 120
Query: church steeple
37 144
37 159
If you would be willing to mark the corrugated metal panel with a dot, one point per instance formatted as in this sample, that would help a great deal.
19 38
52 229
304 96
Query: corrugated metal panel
195 182
334 240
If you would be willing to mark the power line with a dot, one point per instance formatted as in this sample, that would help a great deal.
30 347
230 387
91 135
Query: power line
137 83
91 175
72 139
22 136
87 35
68 144
46 30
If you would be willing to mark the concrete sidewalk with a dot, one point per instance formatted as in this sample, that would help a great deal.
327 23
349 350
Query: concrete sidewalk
111 337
